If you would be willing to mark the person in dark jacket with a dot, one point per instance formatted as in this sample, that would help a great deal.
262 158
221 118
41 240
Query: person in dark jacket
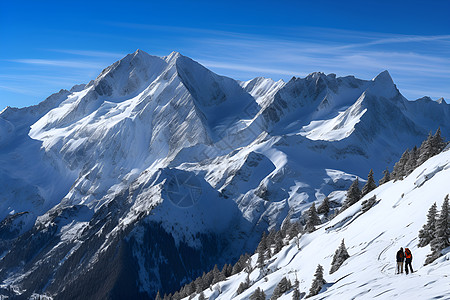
400 259
408 260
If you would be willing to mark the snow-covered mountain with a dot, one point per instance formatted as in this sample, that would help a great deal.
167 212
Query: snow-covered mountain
372 239
159 168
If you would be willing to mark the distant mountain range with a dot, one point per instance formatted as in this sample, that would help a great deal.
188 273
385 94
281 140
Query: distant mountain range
159 168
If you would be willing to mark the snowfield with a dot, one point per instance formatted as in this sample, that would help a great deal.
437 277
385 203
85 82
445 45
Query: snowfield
372 240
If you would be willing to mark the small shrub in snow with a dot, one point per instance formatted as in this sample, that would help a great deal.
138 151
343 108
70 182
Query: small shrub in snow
367 204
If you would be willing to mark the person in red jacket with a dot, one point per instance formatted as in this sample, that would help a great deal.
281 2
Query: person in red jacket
400 259
408 260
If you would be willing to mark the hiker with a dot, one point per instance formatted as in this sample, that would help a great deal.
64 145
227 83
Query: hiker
400 259
408 261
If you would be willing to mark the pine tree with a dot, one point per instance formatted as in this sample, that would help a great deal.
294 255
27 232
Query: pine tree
324 207
370 184
411 163
158 296
226 270
285 226
353 195
425 151
427 233
399 168
261 250
282 287
199 285
190 288
442 237
313 219
271 237
260 259
437 143
218 276
258 295
294 230
243 285
201 296
208 279
386 177
296 294
240 264
278 242
176 296
317 283
339 257
262 246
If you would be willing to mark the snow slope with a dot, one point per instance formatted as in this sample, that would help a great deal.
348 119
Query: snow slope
372 240
97 177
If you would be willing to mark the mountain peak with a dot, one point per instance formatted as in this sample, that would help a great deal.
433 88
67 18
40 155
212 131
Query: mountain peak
140 53
384 86
315 75
173 56
441 101
384 77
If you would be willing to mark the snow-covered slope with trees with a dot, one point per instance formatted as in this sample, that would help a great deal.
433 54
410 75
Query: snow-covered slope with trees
159 168
372 239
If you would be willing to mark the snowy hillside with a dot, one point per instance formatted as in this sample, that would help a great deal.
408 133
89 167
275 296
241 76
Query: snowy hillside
372 239
165 166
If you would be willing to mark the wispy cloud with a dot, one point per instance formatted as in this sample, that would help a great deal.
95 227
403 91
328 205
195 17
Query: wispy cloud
58 63
19 90
90 53
407 57
27 79
245 68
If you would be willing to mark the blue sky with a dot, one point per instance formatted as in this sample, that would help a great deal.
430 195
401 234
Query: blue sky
49 45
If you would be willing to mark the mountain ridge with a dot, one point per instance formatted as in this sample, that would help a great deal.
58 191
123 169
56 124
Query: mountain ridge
113 161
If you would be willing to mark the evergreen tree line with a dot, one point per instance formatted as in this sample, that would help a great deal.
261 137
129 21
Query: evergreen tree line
436 232
269 245
354 194
411 159
205 281
408 162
